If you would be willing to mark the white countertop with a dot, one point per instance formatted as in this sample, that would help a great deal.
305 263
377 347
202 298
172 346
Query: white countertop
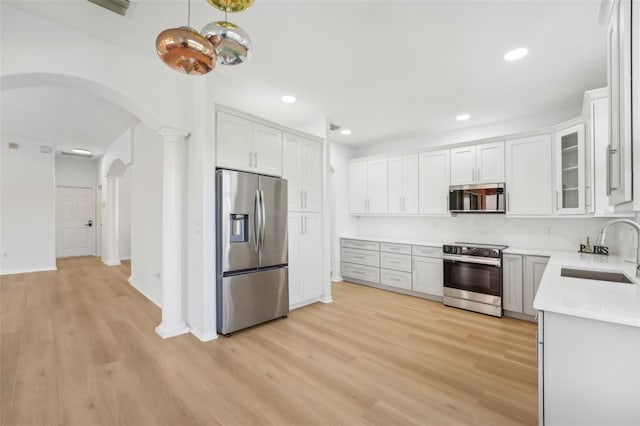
599 300
394 240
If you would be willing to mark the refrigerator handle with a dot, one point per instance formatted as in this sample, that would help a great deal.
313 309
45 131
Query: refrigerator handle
256 221
263 220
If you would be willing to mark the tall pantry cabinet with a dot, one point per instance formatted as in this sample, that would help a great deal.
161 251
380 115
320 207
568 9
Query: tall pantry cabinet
302 167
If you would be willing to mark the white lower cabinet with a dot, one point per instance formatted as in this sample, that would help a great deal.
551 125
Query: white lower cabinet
512 282
305 271
395 279
521 275
428 271
416 270
589 371
534 267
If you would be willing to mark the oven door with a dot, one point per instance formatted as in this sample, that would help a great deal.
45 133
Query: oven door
470 276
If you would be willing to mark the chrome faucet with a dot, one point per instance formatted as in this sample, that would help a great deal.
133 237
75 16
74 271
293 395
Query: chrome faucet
634 225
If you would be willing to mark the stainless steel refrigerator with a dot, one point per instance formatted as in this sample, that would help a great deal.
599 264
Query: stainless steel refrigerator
252 257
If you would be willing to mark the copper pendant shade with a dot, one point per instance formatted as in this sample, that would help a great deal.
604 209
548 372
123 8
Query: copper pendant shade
232 43
231 5
186 51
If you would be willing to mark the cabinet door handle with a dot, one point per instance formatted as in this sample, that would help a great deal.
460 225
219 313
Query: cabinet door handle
305 199
610 153
250 159
478 176
301 226
255 159
301 200
557 200
473 175
306 224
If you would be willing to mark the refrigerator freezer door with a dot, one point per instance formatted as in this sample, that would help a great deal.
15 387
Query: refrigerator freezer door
237 202
252 298
274 221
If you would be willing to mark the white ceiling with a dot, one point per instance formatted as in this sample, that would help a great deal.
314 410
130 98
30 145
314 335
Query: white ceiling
63 117
384 69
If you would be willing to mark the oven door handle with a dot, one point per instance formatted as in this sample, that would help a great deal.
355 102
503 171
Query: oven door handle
472 259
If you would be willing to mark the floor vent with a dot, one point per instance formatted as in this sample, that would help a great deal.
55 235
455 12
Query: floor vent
118 6
13 145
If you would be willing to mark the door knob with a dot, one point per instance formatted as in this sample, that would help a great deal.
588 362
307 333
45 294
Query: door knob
89 224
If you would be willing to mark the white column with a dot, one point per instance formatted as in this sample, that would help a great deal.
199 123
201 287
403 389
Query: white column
110 254
173 322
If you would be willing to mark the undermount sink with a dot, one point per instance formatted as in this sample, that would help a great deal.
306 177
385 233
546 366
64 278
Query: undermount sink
587 274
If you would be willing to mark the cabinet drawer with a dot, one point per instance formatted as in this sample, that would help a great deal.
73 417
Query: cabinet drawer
360 272
427 251
399 262
395 248
395 279
361 257
363 245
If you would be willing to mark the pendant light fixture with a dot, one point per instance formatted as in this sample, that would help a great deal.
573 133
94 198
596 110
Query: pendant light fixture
232 43
185 50
231 5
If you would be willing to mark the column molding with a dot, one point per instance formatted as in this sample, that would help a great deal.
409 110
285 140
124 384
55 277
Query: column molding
173 321
110 254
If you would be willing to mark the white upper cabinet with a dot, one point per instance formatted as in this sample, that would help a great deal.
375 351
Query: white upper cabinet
302 167
234 142
433 182
244 145
403 184
619 83
267 150
482 163
368 186
463 165
528 176
570 170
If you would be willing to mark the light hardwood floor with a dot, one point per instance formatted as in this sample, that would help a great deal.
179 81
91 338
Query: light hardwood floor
78 347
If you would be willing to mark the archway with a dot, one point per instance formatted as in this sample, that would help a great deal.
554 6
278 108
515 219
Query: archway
171 142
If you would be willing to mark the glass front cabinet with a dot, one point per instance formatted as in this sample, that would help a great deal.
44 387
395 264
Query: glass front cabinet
570 170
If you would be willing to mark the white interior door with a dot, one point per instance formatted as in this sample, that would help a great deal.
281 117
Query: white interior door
75 222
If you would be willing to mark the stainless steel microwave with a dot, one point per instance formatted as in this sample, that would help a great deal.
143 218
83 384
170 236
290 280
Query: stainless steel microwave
480 198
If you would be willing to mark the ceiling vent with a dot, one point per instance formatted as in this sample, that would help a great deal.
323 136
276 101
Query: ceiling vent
13 145
118 6
73 154
333 127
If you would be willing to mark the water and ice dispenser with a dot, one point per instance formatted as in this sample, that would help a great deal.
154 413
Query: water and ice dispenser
239 228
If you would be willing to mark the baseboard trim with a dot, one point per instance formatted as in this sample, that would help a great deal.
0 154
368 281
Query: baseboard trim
305 303
116 263
337 278
28 271
143 293
204 337
125 258
326 300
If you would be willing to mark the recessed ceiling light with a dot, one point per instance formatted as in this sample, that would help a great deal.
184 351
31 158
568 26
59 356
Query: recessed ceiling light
288 99
345 132
81 151
463 117
515 54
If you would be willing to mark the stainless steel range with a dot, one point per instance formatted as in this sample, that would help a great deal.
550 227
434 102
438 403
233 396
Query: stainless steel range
473 277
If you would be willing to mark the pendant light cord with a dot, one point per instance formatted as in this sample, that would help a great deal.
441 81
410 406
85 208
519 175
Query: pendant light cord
189 14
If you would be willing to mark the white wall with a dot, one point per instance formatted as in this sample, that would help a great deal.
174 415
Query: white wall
468 134
341 221
124 215
100 67
76 172
27 188
146 213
